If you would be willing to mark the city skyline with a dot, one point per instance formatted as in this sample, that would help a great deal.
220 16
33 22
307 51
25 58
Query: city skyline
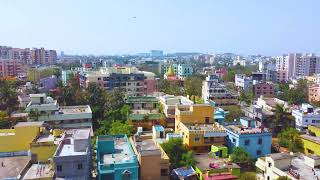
129 27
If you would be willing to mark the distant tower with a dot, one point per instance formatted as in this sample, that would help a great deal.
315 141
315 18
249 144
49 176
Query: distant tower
62 55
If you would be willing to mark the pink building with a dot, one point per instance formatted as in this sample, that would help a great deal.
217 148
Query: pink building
221 72
149 83
10 68
265 89
314 93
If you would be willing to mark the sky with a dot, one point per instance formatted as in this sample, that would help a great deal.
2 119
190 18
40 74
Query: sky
102 27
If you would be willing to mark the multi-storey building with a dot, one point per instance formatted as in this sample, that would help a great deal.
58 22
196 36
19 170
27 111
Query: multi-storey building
43 108
10 68
154 162
213 90
296 64
305 116
293 166
33 56
116 159
314 93
265 89
72 158
242 82
311 140
180 70
136 83
239 61
197 126
255 140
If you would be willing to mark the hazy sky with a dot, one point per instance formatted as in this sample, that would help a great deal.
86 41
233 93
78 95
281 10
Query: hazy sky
108 26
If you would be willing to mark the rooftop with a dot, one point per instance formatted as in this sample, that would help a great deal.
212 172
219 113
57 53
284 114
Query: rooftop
13 166
305 172
142 99
311 138
147 147
279 156
27 124
203 162
37 171
205 127
75 109
122 154
238 129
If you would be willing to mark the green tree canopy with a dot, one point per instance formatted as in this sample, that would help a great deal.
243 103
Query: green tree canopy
240 156
120 128
290 138
282 119
187 159
235 112
8 96
283 178
177 153
248 176
193 85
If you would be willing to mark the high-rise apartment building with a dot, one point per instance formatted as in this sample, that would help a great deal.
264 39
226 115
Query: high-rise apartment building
296 64
33 56
10 68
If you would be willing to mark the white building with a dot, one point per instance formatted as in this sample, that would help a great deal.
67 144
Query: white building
43 108
294 166
217 92
243 82
305 116
297 64
240 61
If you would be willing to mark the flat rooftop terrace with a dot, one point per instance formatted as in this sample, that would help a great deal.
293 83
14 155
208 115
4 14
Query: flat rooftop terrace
68 150
203 162
13 166
205 127
304 171
37 171
311 138
246 130
122 154
147 147
75 109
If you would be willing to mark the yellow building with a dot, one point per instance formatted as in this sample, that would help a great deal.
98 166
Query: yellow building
194 114
311 143
19 138
196 124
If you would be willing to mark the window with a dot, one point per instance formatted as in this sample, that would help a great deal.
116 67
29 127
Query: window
99 78
80 166
233 140
126 175
59 168
207 119
306 120
269 164
196 139
164 172
313 121
258 152
259 141
247 142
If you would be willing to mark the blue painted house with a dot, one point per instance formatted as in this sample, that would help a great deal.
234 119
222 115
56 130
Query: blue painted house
255 140
219 115
116 159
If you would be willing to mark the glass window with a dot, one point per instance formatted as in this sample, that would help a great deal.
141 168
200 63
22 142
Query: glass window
59 168
247 142
80 166
259 141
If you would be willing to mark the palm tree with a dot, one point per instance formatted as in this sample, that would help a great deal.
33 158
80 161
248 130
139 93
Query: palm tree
8 96
282 118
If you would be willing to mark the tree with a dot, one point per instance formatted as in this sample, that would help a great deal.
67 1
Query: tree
282 119
8 96
4 123
248 176
187 159
296 95
235 112
246 97
240 156
175 150
290 138
193 85
120 128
